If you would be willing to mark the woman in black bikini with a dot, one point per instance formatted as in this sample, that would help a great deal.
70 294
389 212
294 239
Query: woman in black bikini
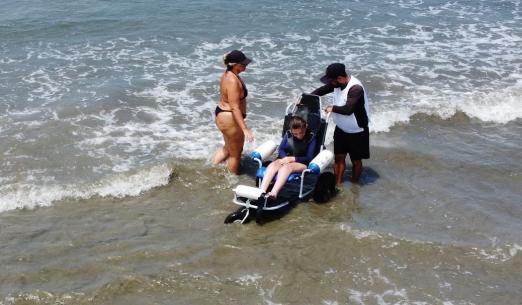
231 111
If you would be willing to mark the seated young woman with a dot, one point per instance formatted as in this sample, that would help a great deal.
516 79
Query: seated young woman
295 152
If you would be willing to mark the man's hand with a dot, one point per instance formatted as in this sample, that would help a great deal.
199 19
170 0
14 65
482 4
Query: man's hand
328 109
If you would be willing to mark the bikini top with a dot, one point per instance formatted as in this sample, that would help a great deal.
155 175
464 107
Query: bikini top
245 90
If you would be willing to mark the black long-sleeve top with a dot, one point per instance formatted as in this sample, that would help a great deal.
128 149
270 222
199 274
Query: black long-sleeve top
354 103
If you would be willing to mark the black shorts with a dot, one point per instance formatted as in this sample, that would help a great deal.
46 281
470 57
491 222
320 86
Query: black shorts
357 145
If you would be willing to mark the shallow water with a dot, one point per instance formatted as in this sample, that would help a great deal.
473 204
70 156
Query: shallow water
428 225
107 195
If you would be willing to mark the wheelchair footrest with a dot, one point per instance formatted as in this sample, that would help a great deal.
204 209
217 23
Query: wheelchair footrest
249 192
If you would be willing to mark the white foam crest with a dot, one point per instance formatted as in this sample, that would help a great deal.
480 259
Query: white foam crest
498 254
185 139
382 121
298 37
500 106
45 87
209 46
249 279
389 292
513 251
24 195
24 113
360 234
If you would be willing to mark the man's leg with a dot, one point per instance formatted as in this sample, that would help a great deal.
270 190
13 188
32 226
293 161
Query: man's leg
339 167
356 170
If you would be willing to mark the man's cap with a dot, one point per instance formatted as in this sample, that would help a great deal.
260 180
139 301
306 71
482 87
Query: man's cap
332 72
237 57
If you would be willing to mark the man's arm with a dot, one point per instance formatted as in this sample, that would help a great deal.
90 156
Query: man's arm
323 90
355 95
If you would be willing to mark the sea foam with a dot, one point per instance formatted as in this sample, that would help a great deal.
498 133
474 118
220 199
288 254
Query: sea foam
121 185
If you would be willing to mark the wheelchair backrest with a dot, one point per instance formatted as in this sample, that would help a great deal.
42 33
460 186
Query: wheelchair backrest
309 108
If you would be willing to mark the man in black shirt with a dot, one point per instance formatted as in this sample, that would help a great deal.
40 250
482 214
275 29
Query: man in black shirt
350 113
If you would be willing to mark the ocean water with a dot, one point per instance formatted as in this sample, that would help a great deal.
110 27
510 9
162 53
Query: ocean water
107 195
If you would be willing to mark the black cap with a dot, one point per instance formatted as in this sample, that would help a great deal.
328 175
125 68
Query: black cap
237 57
332 72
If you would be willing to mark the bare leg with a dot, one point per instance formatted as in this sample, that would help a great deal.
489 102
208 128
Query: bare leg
356 170
270 172
220 155
235 147
233 164
234 140
339 168
282 176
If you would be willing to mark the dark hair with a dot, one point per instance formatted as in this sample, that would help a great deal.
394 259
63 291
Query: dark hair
297 122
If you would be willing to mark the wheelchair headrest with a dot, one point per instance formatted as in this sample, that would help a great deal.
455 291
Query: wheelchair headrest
309 108
311 102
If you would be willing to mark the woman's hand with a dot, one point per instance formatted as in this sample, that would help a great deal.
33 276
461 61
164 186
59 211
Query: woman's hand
287 160
248 135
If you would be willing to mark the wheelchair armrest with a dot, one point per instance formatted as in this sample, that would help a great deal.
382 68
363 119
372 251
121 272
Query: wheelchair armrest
263 151
321 161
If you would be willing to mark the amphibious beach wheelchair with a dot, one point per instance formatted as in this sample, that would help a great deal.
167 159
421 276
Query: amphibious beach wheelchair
253 201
